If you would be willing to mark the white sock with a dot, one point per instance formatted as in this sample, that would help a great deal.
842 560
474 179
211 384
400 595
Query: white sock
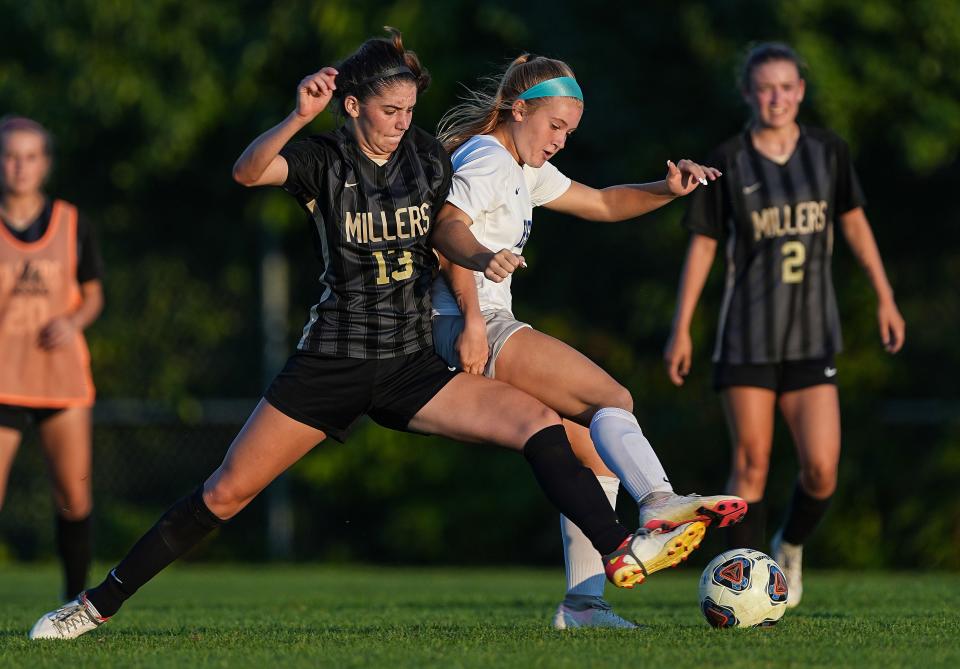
623 448
584 565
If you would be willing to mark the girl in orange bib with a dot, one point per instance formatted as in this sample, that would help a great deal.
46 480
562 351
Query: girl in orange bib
50 291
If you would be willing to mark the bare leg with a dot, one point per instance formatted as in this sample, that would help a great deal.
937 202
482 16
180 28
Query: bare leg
750 414
559 376
9 442
68 448
813 416
269 443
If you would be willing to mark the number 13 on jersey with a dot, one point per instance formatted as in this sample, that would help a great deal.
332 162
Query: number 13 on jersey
404 263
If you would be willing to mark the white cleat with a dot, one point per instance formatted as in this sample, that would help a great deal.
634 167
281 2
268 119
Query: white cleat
648 551
69 621
666 511
790 559
567 618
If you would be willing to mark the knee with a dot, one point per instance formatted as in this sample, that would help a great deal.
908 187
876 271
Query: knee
819 480
751 466
536 419
74 504
224 498
615 396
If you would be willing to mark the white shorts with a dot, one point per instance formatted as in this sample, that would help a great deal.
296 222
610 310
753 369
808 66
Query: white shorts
501 325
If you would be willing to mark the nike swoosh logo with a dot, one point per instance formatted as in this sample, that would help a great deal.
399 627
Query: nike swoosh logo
350 185
830 372
747 190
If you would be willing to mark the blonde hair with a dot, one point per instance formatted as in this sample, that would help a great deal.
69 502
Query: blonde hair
482 111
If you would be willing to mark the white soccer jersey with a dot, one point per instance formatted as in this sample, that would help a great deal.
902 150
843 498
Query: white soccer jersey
499 196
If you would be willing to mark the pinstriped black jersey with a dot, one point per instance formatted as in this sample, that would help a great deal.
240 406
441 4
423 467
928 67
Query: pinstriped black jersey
777 226
370 225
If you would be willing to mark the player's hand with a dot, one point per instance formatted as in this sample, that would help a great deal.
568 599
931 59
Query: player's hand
893 329
472 347
684 177
56 333
502 264
677 355
314 93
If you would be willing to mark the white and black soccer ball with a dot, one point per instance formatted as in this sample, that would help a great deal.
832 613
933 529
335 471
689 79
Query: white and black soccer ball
743 588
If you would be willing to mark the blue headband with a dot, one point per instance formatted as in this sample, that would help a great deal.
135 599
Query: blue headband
561 87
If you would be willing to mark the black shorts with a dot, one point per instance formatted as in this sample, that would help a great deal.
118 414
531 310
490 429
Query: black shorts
18 418
330 393
781 377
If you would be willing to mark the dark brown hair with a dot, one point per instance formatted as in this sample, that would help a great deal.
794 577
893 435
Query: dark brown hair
766 52
378 63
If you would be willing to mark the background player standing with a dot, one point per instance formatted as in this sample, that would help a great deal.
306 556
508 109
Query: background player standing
50 291
785 187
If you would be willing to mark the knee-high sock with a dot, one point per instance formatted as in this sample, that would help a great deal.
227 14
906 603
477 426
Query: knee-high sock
573 489
73 547
623 448
181 528
803 516
751 531
583 562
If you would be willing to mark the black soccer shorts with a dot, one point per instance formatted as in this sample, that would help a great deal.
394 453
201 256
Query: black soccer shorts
18 417
781 377
331 393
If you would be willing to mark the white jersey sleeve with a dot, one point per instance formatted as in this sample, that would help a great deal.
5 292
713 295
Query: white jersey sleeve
481 171
548 183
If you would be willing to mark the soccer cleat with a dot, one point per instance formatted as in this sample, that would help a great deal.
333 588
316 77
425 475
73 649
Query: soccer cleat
600 615
790 559
668 510
647 551
69 621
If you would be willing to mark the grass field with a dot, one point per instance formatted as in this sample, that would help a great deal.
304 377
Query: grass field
324 616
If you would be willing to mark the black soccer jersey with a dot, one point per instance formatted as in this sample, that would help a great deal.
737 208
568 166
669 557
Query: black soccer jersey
370 225
777 224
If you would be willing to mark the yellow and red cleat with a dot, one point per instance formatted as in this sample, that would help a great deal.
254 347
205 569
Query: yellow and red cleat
648 551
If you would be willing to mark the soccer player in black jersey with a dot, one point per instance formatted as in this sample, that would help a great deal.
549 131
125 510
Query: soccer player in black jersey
50 291
785 188
370 190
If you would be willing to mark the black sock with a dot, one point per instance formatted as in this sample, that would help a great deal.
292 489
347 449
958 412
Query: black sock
181 528
751 531
573 488
73 547
803 516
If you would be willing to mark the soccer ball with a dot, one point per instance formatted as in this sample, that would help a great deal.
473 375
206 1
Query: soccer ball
743 588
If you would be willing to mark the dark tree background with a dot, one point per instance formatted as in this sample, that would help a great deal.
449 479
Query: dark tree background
151 102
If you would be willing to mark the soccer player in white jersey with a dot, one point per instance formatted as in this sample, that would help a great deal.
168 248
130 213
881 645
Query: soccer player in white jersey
501 143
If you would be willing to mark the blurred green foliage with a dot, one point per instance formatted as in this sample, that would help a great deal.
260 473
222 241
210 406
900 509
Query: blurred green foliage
152 101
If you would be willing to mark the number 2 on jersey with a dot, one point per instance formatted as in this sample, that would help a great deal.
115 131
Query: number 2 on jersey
795 254
405 261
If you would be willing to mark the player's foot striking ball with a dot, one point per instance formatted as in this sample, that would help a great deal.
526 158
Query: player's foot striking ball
649 551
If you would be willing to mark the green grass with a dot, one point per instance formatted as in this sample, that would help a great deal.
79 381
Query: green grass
323 616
